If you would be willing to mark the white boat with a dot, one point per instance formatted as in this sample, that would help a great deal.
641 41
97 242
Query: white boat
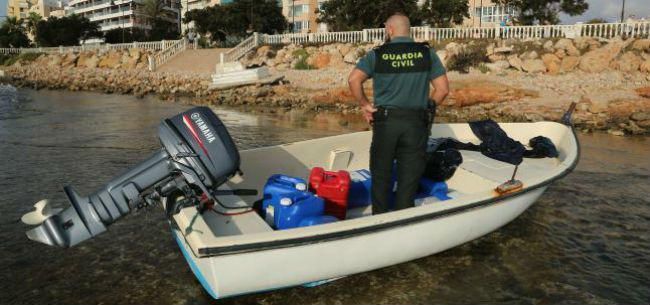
241 254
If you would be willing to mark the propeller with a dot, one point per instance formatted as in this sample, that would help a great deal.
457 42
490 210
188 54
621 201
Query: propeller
42 211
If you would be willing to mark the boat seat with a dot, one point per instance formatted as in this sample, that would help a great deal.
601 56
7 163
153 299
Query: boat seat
200 235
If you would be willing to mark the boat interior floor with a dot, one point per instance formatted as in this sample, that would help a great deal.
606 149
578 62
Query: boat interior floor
475 180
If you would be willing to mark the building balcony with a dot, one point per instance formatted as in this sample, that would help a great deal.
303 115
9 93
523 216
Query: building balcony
107 26
116 14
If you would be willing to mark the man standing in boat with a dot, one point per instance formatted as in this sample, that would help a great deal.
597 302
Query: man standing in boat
402 72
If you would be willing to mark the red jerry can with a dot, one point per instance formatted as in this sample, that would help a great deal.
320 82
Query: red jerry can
333 187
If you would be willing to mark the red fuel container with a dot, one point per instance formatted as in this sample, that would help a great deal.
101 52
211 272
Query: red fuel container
333 187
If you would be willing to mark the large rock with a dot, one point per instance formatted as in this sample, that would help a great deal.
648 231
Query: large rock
530 55
264 51
567 45
629 62
569 63
489 50
111 60
498 66
344 49
321 60
69 60
53 60
533 66
130 60
586 43
516 62
353 56
496 57
640 116
453 49
552 63
645 66
548 46
641 45
88 60
336 59
135 53
598 60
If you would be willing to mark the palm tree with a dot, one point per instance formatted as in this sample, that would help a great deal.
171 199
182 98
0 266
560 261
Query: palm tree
30 24
12 33
12 22
156 17
31 21
152 10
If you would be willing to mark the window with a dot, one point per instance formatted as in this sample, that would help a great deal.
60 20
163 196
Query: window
300 25
495 13
298 10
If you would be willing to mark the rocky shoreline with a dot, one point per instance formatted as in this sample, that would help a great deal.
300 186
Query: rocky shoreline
615 99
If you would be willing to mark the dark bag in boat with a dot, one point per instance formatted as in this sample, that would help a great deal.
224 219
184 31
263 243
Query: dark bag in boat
442 164
541 147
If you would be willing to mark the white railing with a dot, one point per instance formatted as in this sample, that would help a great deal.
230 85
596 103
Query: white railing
425 33
148 45
604 30
241 49
168 53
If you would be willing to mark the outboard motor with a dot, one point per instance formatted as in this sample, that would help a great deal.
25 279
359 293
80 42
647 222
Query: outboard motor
197 156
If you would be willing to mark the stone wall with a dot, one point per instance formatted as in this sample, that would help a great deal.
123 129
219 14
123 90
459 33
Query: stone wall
535 56
111 59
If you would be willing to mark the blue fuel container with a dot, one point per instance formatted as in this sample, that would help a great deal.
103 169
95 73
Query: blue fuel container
286 202
289 212
360 184
279 186
430 188
317 220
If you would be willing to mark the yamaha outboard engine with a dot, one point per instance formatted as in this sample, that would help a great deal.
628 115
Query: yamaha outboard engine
197 156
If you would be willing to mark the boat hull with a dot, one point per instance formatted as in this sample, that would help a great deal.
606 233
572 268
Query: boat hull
256 271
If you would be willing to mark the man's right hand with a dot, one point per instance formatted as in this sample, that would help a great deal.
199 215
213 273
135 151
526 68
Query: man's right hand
368 110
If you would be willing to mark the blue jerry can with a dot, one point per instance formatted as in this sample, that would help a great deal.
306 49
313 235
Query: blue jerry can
317 220
287 201
279 186
289 212
430 188
360 183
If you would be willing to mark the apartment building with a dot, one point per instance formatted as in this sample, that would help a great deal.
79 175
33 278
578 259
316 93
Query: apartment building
126 14
485 13
302 14
21 8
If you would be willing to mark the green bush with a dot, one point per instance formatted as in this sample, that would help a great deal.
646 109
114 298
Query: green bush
301 55
470 56
5 57
303 65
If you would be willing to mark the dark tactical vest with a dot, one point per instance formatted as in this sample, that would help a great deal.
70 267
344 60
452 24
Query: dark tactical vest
402 57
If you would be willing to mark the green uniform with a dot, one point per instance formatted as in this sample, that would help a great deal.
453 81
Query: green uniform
401 90
402 71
